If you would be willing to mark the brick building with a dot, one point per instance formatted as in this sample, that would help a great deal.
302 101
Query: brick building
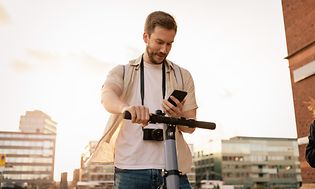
299 20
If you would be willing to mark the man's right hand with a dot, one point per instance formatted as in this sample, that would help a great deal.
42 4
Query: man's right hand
139 114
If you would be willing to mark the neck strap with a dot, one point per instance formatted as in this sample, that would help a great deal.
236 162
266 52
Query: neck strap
142 80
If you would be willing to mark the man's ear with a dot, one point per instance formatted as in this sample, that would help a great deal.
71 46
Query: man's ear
145 37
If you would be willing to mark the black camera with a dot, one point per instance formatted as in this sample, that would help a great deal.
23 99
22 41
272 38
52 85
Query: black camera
153 134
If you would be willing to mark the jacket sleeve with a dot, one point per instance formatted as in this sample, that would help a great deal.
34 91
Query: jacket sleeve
310 148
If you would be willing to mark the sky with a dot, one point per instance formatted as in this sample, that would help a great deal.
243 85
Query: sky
55 55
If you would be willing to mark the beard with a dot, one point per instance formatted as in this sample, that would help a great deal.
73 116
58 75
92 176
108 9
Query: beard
152 56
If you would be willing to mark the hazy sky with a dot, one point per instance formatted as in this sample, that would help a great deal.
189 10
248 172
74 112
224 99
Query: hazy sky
54 57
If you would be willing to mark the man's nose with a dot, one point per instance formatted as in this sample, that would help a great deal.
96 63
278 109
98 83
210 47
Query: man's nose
164 49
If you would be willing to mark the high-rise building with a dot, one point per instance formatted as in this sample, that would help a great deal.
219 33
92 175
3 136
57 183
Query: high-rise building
30 153
37 122
254 162
29 157
299 24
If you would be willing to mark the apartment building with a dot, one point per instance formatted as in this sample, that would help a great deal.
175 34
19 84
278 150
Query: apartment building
29 157
254 162
30 152
207 167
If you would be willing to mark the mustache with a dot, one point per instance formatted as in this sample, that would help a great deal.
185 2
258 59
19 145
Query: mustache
161 54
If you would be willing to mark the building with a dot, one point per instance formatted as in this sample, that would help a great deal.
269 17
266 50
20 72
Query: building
29 157
30 153
95 174
299 24
64 181
207 167
253 162
192 174
37 121
75 179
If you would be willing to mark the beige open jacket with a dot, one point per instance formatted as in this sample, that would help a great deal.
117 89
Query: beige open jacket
105 147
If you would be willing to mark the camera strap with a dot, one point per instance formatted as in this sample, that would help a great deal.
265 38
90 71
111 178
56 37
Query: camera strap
142 80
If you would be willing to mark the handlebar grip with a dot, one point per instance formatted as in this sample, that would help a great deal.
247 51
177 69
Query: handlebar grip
206 125
127 115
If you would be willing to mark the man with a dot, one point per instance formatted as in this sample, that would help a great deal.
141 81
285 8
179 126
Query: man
142 87
310 148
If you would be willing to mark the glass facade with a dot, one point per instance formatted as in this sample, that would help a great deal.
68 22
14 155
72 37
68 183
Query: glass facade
251 162
29 156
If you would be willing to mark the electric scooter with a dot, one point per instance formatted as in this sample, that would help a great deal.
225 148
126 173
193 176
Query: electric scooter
171 172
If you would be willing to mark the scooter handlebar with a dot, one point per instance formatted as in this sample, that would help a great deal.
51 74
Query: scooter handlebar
154 118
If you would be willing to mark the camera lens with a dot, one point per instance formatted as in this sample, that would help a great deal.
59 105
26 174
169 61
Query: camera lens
157 134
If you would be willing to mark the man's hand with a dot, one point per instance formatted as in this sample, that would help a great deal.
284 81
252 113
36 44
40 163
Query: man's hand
139 114
177 111
171 110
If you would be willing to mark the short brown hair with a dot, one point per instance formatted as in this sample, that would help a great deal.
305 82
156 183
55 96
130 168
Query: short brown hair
159 18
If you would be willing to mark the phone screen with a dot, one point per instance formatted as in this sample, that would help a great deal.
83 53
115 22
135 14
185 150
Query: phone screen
180 95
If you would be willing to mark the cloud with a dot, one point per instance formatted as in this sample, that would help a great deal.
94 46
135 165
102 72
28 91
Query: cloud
33 59
20 66
44 60
42 56
93 63
4 17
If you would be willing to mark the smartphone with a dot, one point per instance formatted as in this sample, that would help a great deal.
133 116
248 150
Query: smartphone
180 95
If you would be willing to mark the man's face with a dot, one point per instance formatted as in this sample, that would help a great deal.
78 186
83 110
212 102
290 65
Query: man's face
159 44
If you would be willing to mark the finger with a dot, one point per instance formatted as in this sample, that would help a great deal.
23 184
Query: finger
132 112
142 116
147 116
179 106
166 111
183 102
169 111
177 111
175 100
167 104
174 111
138 114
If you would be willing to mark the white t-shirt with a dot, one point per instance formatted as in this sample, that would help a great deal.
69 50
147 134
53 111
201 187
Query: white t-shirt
131 151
